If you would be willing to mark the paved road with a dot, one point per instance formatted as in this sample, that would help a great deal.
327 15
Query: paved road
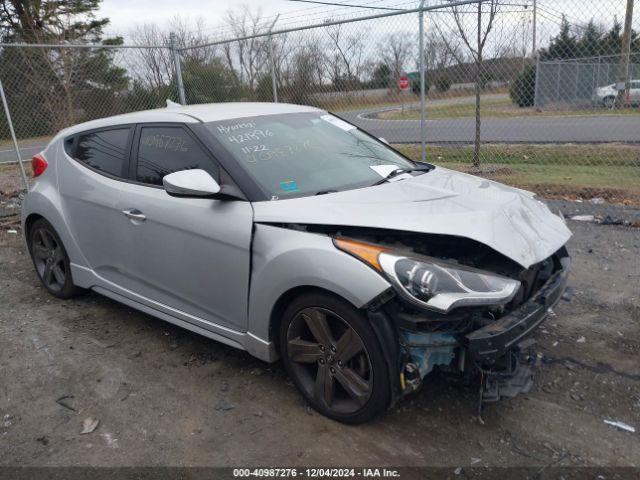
8 154
548 129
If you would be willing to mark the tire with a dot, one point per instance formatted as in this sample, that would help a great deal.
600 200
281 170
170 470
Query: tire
340 372
51 261
609 102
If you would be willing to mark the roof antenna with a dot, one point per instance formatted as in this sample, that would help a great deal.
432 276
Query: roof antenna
171 104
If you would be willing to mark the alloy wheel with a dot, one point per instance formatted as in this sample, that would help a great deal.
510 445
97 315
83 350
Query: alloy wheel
610 103
330 360
49 259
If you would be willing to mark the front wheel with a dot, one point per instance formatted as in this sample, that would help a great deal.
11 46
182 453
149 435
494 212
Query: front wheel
334 358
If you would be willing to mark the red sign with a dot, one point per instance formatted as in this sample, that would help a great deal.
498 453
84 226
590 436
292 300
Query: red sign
403 83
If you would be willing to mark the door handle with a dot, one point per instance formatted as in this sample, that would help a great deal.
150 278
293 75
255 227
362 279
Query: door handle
134 214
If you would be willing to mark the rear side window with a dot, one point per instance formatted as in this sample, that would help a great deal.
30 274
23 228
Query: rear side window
164 150
104 150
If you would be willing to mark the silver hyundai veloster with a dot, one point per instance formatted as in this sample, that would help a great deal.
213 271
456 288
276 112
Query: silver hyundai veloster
287 232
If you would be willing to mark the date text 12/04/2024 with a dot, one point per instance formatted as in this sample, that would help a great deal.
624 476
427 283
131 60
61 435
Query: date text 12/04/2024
316 472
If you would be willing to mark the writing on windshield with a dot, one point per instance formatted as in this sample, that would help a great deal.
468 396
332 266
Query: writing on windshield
304 153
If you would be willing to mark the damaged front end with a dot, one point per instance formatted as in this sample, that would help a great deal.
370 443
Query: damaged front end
466 334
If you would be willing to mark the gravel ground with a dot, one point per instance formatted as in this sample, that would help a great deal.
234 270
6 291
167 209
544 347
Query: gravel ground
165 396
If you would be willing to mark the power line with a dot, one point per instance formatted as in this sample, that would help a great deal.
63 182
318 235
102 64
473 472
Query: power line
287 15
559 14
327 13
287 20
352 6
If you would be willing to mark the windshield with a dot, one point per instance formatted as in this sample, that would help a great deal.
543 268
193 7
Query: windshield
301 154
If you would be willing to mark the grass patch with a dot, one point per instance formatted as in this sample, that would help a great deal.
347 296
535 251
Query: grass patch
25 142
493 108
359 101
565 171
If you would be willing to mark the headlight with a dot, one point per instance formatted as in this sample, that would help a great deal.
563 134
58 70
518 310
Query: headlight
443 287
430 283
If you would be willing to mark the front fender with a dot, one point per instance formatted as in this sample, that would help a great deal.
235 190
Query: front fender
284 259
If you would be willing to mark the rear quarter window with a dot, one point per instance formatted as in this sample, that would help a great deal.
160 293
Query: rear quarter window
105 150
167 149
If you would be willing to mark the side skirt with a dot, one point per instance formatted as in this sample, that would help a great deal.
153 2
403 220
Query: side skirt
257 347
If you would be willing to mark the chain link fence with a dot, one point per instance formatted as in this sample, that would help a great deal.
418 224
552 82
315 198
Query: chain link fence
574 83
517 91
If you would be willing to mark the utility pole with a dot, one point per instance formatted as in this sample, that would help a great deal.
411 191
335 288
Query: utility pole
476 148
423 147
175 54
272 61
535 29
13 137
623 71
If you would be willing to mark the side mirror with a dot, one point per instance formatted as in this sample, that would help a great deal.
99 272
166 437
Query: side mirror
383 140
190 183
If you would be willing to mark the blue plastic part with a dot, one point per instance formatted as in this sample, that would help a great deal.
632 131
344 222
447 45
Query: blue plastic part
289 186
430 349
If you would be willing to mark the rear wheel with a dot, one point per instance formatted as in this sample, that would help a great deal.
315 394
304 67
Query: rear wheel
334 358
610 102
51 260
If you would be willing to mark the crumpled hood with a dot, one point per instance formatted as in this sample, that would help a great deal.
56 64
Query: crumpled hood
442 201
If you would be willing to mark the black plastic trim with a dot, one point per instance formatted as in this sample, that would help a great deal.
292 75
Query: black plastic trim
387 335
245 183
495 340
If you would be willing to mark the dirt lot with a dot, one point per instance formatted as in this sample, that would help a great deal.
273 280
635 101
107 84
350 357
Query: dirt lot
164 396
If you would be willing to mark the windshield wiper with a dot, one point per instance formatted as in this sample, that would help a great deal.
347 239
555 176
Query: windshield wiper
400 171
325 192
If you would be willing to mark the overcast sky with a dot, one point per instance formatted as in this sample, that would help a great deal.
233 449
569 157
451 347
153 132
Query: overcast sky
126 14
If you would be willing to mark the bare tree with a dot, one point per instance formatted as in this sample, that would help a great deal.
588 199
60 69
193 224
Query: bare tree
306 52
189 35
282 55
442 51
346 60
396 52
154 66
247 58
476 48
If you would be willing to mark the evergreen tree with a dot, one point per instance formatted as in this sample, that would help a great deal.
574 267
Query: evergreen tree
612 41
381 77
564 45
51 88
590 42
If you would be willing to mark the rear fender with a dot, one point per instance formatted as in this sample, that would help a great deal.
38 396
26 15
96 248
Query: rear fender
44 200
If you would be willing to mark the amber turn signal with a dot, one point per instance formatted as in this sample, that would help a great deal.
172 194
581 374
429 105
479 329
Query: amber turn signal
364 251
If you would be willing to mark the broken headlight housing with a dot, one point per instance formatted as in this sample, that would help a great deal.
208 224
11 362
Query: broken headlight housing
442 287
431 283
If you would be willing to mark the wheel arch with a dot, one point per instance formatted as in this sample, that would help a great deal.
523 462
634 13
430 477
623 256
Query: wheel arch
288 262
46 204
279 307
28 224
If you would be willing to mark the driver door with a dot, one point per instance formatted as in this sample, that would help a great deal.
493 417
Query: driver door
189 257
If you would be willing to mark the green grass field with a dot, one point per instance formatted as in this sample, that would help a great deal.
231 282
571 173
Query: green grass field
494 108
586 171
610 171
